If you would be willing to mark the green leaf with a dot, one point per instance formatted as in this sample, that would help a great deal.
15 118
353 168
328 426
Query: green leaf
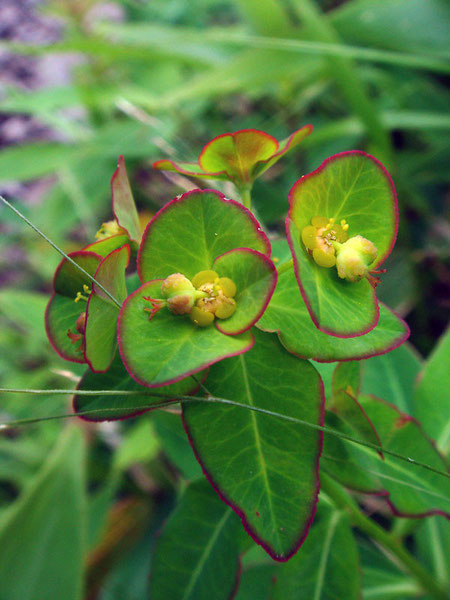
409 490
117 378
347 376
432 539
101 314
327 566
352 186
346 384
124 208
287 314
432 395
382 579
62 311
240 156
265 468
255 277
175 444
256 582
169 347
197 554
140 445
191 231
43 531
392 376
108 245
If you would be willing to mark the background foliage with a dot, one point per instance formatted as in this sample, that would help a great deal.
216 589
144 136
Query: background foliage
83 83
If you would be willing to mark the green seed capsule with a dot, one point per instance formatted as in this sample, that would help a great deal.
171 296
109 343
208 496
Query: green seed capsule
200 317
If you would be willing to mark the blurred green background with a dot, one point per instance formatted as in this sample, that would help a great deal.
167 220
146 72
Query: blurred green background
82 82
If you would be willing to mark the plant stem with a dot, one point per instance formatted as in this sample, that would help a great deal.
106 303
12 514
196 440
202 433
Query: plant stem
344 501
88 275
246 197
285 266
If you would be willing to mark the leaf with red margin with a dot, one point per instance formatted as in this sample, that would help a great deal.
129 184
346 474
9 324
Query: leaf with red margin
410 490
346 383
197 553
169 347
265 468
186 168
108 245
240 156
356 187
285 146
62 312
238 153
189 232
100 340
117 378
124 208
287 314
255 277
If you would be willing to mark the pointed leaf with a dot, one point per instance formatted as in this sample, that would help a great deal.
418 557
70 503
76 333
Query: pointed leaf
124 208
285 146
410 490
263 467
42 533
432 395
169 347
346 384
288 315
192 230
101 314
62 311
255 277
197 554
117 378
185 168
327 566
107 245
353 186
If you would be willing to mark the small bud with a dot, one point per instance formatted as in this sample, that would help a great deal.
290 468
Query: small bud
180 293
80 325
354 258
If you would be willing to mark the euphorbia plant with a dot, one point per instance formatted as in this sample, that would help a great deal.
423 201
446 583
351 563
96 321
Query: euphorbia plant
222 326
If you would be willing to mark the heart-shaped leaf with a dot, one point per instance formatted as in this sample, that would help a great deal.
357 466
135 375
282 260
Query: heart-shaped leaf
287 314
326 567
169 347
197 554
352 186
255 277
100 338
62 311
265 468
192 230
410 490
124 208
117 378
240 156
